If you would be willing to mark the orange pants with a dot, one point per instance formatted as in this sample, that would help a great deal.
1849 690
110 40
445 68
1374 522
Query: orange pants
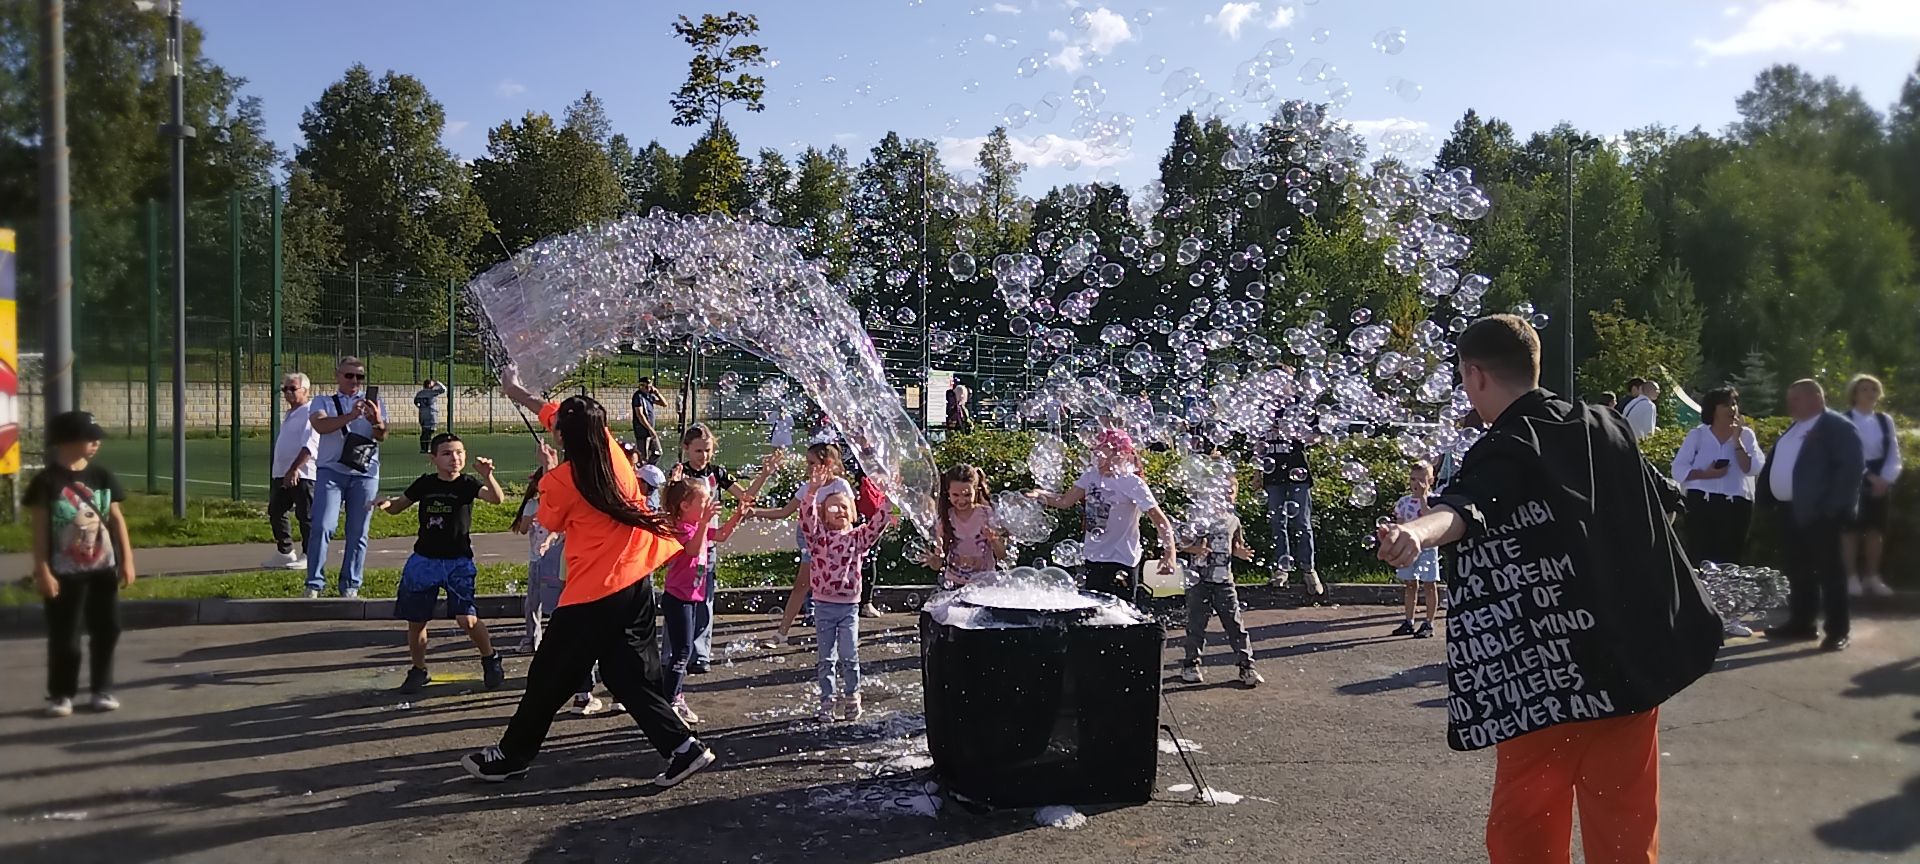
1611 765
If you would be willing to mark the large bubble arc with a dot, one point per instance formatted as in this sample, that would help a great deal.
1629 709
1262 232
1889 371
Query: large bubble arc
570 298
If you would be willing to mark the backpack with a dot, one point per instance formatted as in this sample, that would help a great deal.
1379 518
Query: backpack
870 501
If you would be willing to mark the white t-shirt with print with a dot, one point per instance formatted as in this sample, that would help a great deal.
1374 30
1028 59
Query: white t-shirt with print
1114 505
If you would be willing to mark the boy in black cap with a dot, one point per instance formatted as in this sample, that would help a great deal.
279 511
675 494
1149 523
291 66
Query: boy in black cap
81 559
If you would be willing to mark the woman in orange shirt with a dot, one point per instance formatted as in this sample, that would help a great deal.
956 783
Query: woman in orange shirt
607 611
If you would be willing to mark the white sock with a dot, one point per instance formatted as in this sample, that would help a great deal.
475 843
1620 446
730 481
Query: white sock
685 745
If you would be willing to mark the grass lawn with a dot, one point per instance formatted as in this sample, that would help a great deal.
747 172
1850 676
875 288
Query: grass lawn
212 521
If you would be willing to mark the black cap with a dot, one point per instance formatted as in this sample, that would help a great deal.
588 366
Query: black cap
73 427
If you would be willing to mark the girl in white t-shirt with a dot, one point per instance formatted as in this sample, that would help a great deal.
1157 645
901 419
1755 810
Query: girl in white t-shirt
1116 497
546 571
1423 575
965 547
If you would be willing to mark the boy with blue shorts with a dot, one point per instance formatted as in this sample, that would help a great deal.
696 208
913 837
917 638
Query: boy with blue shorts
443 557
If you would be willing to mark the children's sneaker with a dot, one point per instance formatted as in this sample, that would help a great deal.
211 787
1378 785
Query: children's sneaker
868 610
1251 677
698 667
1405 628
417 679
1876 587
527 646
826 711
104 702
1738 630
493 671
683 764
1314 585
1279 578
1425 631
350 594
586 703
491 765
279 561
1191 674
312 594
685 712
60 707
616 708
851 709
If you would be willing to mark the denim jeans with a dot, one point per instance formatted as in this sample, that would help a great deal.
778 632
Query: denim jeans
703 623
677 614
1292 535
838 628
333 490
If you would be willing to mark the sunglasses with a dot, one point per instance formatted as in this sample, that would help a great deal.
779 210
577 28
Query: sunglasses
291 389
354 376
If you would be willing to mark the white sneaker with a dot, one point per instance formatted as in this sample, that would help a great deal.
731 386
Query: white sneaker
1314 585
298 563
1279 578
616 708
1251 677
1853 586
1191 675
586 704
350 594
61 707
1877 586
312 594
1735 628
105 702
279 561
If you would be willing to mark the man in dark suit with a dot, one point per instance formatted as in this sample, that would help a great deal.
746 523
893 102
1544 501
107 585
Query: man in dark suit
1813 479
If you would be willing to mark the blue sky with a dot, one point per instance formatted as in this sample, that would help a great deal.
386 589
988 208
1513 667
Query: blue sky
948 69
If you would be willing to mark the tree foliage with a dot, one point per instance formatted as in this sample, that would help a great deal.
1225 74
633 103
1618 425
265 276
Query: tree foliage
717 76
539 180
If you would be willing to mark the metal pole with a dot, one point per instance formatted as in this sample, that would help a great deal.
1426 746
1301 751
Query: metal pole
926 354
452 331
273 264
56 213
233 349
180 132
153 346
356 316
1573 315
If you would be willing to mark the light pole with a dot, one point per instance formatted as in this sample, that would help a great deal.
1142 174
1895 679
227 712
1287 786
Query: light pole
56 214
1575 144
926 354
178 130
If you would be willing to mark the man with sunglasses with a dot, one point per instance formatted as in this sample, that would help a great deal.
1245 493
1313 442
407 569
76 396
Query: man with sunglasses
291 488
351 427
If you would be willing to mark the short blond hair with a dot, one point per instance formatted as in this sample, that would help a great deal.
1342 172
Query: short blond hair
1862 380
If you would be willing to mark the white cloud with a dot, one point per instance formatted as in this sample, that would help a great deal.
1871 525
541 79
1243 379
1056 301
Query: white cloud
1105 31
1732 12
1006 8
1815 25
455 127
990 39
1234 17
1041 151
1381 126
509 88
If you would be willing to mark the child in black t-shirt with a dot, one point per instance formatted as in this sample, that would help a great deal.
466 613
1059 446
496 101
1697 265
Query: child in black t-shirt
81 559
443 557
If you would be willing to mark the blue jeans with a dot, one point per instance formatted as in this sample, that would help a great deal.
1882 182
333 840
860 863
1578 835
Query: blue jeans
332 489
1292 535
838 629
679 619
703 624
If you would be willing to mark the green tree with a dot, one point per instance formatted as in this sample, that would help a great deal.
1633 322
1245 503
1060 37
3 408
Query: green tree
1628 347
890 201
1485 148
769 186
1903 155
717 76
587 117
1760 389
652 179
397 200
817 205
1814 120
998 220
539 180
713 176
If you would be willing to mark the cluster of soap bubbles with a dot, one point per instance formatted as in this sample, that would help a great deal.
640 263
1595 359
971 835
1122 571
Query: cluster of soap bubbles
663 277
1741 592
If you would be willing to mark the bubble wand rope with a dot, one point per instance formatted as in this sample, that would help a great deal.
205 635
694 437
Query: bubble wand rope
1201 790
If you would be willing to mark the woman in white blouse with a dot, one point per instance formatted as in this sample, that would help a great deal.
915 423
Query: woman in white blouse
1716 466
1880 444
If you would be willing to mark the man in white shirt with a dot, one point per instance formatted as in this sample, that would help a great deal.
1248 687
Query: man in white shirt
1641 411
292 484
1813 479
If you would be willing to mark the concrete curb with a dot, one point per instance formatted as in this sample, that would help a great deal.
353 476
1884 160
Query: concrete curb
145 614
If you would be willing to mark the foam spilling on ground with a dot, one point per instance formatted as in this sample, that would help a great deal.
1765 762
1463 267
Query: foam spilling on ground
1208 795
1025 597
1059 816
1167 746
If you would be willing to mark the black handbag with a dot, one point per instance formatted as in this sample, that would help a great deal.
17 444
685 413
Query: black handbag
357 451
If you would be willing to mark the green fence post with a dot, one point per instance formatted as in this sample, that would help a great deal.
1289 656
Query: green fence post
153 346
452 331
273 266
233 349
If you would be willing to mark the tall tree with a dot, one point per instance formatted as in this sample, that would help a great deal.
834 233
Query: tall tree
769 186
376 171
1812 119
998 220
587 117
1485 148
1903 155
539 180
653 179
713 175
817 206
717 76
891 197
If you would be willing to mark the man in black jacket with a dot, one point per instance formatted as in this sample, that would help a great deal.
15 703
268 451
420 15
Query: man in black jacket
1813 479
1573 610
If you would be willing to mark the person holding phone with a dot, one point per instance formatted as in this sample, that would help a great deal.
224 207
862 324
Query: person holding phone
1716 465
351 426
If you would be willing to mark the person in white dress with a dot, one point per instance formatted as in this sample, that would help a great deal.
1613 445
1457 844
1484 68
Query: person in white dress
1863 541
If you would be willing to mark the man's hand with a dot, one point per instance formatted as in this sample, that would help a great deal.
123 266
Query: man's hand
483 466
44 584
1398 546
292 479
1878 485
371 410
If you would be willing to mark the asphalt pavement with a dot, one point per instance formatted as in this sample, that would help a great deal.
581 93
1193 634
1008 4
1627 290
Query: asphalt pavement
286 742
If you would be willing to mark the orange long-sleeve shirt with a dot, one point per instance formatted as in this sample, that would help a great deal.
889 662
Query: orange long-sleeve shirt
603 554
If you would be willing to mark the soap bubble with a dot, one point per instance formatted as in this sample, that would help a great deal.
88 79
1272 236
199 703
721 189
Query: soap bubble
962 266
1392 40
1021 518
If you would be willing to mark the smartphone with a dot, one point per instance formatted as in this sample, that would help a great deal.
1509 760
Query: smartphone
1722 463
374 393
